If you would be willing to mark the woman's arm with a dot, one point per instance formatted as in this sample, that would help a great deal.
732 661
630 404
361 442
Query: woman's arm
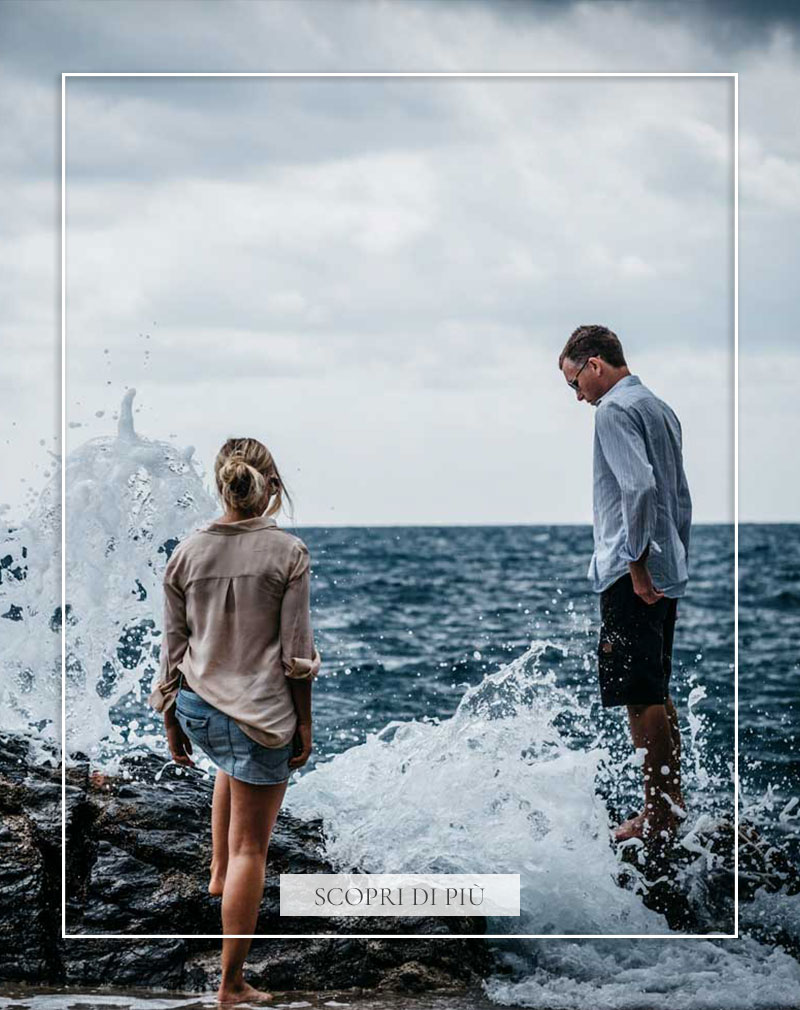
301 696
173 646
175 639
300 659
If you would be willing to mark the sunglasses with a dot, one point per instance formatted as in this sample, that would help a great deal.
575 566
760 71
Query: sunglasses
573 382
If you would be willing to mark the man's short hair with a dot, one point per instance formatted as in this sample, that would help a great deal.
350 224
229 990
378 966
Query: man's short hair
593 342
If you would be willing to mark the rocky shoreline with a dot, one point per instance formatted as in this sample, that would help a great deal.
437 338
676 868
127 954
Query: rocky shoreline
138 846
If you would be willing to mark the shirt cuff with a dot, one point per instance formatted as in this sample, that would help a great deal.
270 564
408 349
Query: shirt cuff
304 669
161 697
631 553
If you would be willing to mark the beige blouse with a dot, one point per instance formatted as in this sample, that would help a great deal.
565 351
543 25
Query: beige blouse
237 624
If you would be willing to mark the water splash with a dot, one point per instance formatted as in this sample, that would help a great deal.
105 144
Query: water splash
128 500
509 784
30 618
647 975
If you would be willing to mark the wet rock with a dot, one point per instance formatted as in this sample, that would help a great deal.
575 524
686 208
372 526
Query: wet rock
353 963
30 861
137 861
154 964
138 849
27 935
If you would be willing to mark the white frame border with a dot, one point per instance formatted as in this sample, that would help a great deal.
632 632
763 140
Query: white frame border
400 936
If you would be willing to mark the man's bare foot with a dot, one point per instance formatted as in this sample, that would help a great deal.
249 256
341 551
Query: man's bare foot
242 993
634 827
648 829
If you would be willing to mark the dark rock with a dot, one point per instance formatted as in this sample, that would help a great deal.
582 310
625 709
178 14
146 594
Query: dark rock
357 963
156 964
137 861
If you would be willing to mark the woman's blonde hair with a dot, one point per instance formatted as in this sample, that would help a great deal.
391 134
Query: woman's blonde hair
245 471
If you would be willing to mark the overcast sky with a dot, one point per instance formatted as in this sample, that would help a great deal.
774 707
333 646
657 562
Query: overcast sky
376 276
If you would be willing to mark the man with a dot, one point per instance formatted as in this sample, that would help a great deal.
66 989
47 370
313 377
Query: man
642 518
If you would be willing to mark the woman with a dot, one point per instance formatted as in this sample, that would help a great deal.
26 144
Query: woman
237 663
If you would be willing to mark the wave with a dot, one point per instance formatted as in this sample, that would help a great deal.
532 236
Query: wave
511 783
648 975
517 780
128 499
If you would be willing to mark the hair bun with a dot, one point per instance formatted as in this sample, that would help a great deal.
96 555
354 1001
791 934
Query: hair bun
247 477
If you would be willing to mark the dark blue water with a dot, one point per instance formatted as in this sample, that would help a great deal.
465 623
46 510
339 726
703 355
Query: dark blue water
769 665
406 618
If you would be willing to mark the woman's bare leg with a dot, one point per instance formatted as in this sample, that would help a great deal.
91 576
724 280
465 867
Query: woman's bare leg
254 810
220 822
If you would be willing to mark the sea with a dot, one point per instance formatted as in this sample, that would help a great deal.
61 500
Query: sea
457 723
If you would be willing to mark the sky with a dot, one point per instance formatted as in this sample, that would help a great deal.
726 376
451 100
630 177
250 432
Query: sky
376 276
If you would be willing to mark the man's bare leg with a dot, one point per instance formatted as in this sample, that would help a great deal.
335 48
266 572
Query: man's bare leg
220 823
653 731
254 810
672 715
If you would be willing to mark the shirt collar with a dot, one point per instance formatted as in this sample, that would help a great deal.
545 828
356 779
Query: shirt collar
242 525
620 384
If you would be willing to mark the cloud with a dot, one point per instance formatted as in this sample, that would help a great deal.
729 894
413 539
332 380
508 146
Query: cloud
354 236
389 240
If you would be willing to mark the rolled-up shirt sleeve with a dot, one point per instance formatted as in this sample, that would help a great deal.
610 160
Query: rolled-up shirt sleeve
684 505
175 639
623 445
300 658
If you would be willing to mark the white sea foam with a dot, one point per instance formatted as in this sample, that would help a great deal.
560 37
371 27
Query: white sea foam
500 787
649 975
126 496
508 784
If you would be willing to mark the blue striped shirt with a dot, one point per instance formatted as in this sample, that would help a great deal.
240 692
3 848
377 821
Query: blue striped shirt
641 497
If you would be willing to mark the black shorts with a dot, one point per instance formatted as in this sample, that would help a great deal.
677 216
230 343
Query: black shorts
634 655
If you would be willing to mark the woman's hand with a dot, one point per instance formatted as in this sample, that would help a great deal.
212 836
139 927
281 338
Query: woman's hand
303 733
180 746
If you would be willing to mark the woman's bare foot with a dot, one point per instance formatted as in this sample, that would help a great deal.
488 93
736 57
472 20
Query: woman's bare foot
216 885
217 882
242 992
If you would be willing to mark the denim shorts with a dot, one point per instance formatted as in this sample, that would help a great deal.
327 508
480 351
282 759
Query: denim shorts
228 746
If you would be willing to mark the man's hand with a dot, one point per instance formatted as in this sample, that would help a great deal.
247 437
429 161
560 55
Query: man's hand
180 746
643 582
304 735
